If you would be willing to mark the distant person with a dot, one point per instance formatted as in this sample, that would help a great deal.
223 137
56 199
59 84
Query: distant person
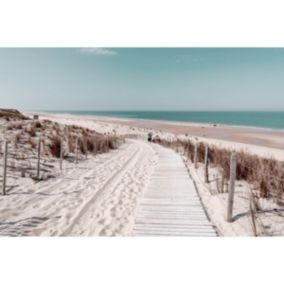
150 137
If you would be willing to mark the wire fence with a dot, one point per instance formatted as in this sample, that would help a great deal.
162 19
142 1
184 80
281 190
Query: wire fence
41 158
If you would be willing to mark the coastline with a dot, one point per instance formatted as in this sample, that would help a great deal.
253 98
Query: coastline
179 122
261 143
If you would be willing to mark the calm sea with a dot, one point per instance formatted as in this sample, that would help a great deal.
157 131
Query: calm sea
273 120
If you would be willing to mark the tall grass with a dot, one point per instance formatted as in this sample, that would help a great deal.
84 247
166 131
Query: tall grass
88 141
54 135
266 175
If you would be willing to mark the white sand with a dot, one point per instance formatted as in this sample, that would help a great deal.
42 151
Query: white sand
99 195
104 126
95 197
268 223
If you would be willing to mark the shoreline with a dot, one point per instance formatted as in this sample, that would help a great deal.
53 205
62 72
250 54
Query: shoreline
180 122
220 133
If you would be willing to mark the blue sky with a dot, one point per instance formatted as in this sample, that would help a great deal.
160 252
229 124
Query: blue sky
142 79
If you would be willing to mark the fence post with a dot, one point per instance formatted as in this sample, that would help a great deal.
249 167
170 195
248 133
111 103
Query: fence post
187 149
5 166
61 153
95 146
206 178
38 157
68 142
233 169
76 150
195 155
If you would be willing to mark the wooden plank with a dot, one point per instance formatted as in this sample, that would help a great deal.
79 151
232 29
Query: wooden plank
171 206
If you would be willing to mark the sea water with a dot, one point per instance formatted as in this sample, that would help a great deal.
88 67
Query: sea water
274 120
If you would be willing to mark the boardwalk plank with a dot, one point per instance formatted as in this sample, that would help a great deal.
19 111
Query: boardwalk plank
170 205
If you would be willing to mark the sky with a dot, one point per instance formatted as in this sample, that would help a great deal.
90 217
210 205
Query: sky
142 79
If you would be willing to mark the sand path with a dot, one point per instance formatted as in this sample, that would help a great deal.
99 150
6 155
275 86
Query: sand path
100 197
96 197
170 205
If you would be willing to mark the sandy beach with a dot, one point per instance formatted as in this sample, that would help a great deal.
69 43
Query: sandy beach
101 194
264 142
247 135
261 142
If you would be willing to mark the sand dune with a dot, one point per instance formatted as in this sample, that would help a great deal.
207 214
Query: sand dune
95 197
265 143
99 196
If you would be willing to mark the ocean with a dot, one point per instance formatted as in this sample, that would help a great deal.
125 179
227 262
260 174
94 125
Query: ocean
271 120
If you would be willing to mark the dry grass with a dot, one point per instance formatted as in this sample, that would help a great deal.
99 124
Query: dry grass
37 124
55 146
32 143
17 139
25 135
267 175
31 131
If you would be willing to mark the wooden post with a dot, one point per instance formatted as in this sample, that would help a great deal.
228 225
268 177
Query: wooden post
107 145
68 141
195 155
61 154
5 158
38 156
233 169
187 149
206 178
76 150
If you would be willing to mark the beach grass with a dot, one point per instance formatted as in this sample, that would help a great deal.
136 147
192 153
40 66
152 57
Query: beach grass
266 175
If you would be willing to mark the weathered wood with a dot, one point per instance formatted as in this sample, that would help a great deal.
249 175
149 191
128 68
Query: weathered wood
170 205
107 144
187 149
68 140
38 157
206 173
233 168
95 146
61 154
5 159
76 150
195 155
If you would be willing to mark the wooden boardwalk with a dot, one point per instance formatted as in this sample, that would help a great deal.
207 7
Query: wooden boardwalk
170 205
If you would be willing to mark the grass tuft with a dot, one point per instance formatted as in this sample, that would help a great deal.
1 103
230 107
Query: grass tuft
267 175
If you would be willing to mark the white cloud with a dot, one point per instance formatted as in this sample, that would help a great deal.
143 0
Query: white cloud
98 51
